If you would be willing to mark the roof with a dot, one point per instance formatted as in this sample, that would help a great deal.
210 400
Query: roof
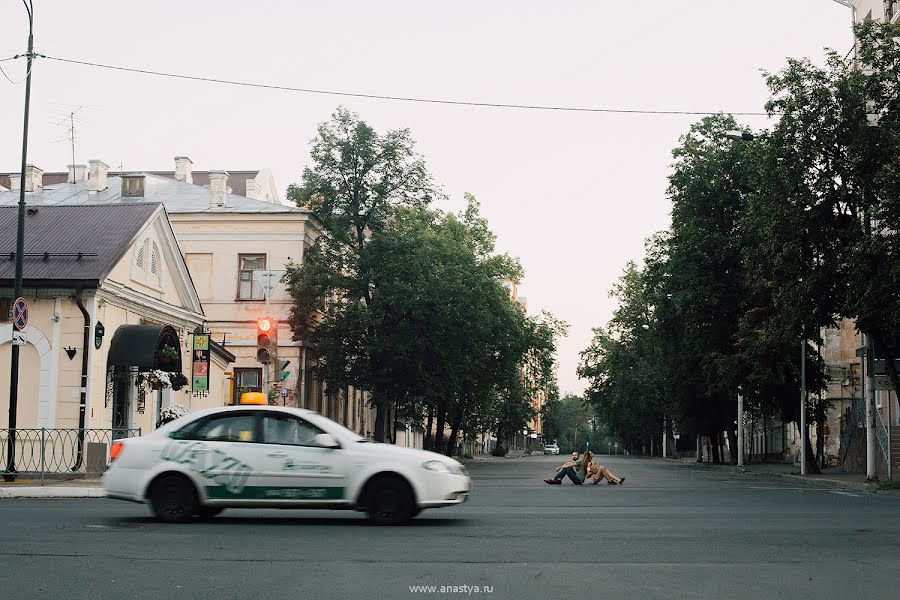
177 196
106 231
237 180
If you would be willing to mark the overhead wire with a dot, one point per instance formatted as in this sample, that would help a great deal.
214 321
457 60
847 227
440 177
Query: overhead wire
585 109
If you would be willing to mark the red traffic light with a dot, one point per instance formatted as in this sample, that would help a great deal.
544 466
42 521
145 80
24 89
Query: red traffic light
264 324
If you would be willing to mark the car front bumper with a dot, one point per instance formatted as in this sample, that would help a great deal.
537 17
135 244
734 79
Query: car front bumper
445 489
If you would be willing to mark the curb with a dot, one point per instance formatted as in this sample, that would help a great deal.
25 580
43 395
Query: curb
811 480
820 482
52 492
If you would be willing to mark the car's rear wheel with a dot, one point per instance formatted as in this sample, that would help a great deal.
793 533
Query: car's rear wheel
173 498
390 501
208 512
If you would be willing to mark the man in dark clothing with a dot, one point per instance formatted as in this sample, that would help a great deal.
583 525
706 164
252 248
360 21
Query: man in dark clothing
575 470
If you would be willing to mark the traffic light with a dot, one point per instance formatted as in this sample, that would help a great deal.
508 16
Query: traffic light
280 373
266 340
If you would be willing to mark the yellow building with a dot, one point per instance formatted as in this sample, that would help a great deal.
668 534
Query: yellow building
236 243
109 295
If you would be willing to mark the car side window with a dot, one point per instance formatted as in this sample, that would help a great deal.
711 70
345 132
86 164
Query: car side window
223 428
289 430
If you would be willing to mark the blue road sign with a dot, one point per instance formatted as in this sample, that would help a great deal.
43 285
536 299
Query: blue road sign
20 314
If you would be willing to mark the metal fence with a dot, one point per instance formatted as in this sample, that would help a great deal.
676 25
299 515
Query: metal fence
59 451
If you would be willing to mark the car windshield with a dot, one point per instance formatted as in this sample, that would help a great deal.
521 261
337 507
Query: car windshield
340 429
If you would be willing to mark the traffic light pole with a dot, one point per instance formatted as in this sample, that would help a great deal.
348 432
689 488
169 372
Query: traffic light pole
9 474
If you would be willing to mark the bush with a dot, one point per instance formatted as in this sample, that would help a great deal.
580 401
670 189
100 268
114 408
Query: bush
170 413
499 451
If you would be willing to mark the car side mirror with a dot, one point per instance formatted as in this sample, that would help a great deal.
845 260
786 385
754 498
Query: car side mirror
326 440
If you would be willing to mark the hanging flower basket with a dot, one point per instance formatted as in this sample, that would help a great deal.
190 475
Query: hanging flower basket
153 380
167 355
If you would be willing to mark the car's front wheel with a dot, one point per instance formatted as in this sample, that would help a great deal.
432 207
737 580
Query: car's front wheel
390 501
173 498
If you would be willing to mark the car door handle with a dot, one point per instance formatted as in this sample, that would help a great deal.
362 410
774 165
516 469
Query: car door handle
277 455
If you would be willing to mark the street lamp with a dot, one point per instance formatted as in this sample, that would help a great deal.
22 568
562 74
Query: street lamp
9 474
746 136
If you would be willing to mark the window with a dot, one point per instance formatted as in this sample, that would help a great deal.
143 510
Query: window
139 258
246 380
132 186
223 428
155 275
289 430
248 288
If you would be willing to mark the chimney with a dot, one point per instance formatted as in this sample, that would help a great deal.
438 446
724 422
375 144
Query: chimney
14 182
254 190
34 178
97 177
218 188
77 173
183 169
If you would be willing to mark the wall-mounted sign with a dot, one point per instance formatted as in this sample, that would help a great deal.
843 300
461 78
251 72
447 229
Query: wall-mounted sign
99 332
200 363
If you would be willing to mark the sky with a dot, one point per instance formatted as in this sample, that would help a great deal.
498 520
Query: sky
572 194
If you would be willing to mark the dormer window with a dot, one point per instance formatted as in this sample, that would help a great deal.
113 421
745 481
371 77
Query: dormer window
132 186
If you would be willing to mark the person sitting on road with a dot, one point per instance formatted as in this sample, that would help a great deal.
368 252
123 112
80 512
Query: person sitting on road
575 469
596 471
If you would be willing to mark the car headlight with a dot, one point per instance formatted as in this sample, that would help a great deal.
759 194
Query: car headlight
436 466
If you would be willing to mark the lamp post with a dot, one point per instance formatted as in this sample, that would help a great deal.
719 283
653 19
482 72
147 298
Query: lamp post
745 136
9 474
740 429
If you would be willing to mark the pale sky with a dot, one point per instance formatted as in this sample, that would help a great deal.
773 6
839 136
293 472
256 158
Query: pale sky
573 195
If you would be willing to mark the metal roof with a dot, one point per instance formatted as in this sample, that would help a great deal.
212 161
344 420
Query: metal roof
177 196
105 231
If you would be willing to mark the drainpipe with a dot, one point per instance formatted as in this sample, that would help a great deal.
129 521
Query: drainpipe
82 407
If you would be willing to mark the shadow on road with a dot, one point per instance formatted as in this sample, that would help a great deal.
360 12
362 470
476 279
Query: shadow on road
226 520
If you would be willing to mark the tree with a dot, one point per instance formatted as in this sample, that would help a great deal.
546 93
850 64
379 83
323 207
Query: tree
356 183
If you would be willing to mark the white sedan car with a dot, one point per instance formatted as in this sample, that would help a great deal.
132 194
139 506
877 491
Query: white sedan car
273 457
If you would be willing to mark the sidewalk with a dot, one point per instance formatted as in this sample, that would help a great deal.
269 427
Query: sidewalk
831 477
52 488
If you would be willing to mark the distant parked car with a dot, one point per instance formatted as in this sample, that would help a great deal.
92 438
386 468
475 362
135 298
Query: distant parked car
551 449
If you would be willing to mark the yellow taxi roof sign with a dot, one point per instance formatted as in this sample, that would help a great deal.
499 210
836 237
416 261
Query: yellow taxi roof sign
253 398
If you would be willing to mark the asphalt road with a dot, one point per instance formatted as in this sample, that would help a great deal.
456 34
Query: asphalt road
672 531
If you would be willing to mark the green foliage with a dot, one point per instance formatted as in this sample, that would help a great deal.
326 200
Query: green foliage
770 243
573 424
406 302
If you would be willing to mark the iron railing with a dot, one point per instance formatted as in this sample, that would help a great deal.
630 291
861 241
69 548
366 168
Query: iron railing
60 451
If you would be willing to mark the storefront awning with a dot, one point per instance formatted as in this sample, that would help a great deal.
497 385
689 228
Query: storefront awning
144 347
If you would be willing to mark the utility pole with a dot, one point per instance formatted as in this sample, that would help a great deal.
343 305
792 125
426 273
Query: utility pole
9 474
740 429
870 408
803 407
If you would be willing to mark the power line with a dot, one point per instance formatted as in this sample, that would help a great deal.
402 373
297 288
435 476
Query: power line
396 98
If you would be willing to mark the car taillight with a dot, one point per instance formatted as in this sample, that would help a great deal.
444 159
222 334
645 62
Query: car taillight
115 451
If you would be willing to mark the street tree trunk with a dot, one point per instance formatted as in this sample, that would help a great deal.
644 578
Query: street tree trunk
732 443
812 467
381 421
820 433
454 431
439 430
428 442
